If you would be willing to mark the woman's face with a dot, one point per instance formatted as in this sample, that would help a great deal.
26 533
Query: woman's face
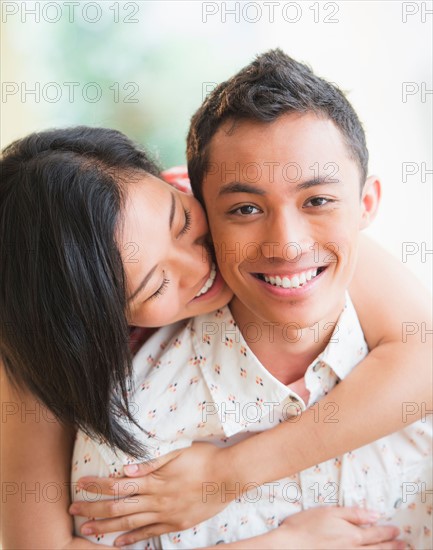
169 272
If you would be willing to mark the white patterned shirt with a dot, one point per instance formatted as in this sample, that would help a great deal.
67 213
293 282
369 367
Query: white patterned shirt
199 381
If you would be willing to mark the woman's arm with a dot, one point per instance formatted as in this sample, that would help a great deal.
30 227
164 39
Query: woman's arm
36 464
387 391
36 455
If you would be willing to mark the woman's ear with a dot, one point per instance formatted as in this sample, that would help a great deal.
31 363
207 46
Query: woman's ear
370 199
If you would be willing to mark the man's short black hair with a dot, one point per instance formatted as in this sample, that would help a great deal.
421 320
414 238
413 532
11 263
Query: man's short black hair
272 85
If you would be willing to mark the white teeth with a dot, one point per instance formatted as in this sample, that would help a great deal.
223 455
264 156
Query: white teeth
285 283
295 282
208 284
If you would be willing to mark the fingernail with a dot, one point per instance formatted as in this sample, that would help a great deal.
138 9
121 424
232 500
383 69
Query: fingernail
87 531
373 515
131 468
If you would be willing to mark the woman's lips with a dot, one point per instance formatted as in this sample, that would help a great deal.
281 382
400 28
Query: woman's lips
209 283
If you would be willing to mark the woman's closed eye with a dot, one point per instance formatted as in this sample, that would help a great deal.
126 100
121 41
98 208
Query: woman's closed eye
187 225
161 289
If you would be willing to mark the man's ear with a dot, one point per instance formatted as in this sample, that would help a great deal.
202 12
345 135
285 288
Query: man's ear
370 199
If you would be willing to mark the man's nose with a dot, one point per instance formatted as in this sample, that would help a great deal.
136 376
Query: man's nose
286 237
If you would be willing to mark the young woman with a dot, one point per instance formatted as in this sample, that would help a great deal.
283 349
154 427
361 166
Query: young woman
79 209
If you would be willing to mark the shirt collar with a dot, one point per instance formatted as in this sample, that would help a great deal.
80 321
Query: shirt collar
240 384
243 391
347 346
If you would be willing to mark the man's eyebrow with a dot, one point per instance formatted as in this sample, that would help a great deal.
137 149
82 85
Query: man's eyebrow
149 275
238 187
321 180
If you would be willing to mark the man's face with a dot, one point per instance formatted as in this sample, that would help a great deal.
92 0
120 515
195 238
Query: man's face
285 209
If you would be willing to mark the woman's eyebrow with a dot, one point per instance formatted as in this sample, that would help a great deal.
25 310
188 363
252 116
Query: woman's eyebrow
149 275
172 210
143 283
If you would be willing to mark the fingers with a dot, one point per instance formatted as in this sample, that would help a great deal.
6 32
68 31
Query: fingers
115 487
358 516
143 533
137 470
390 545
379 534
125 523
122 486
111 508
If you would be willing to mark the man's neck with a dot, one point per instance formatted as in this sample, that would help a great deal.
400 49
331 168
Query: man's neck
285 353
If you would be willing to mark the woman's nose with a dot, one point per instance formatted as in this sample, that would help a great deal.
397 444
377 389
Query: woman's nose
192 263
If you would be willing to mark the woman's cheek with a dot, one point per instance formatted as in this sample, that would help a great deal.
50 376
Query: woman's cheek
167 311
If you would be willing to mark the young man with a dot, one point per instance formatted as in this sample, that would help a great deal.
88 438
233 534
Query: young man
279 158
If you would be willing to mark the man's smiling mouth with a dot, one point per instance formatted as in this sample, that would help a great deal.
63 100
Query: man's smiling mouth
294 280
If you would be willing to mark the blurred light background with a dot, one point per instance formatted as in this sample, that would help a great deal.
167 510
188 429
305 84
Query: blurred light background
144 68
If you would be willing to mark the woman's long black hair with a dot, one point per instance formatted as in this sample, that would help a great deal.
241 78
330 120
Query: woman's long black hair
64 333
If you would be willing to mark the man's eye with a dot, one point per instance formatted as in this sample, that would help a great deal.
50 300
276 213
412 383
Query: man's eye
246 210
318 201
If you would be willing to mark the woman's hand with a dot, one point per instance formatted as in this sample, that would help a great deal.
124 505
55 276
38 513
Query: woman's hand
139 502
325 528
148 502
319 528
336 528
